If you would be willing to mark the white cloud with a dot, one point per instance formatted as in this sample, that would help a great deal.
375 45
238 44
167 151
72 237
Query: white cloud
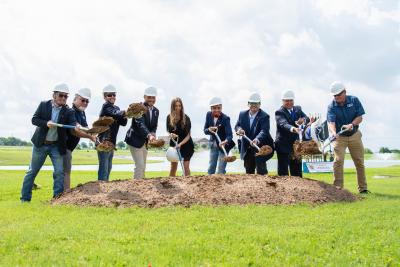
199 49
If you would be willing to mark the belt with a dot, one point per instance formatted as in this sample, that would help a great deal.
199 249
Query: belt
49 142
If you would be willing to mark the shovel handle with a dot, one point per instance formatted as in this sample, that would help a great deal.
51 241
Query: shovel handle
219 141
251 142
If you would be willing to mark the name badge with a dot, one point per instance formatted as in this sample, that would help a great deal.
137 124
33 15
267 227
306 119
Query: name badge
349 105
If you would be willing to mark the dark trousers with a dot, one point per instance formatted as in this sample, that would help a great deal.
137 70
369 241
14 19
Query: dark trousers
251 164
285 162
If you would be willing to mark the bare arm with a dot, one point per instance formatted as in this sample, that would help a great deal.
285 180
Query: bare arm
332 128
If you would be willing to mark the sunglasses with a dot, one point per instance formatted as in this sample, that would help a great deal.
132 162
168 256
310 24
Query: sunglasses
63 96
85 101
341 93
111 95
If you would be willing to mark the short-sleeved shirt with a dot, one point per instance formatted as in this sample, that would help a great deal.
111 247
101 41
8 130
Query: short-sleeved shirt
346 113
72 140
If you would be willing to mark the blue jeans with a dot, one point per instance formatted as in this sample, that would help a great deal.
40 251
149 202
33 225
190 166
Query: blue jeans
216 156
39 155
105 164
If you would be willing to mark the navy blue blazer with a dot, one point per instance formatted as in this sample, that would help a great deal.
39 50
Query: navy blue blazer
224 129
40 118
284 122
111 110
141 128
259 129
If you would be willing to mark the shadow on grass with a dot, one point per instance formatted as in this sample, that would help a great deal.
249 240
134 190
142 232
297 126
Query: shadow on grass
386 196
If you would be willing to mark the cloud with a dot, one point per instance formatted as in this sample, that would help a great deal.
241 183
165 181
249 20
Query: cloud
199 49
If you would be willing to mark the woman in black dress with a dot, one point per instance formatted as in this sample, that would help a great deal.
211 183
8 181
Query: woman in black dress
178 125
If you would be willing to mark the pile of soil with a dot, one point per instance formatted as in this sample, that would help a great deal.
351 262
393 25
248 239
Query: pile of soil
236 189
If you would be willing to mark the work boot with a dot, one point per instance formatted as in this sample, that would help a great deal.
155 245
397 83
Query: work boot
36 186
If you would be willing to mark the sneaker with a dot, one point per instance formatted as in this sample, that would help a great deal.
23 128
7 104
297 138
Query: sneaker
365 192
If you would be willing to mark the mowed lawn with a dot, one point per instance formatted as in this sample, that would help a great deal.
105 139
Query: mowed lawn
12 156
364 233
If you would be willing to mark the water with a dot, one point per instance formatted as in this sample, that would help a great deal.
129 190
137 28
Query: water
199 163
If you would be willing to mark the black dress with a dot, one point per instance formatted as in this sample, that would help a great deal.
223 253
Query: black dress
187 149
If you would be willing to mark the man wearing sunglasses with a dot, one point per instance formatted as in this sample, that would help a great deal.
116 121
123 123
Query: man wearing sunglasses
141 131
80 103
49 140
346 112
288 118
254 123
218 123
109 109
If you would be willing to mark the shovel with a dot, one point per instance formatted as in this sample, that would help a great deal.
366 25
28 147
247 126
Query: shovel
301 130
94 130
328 141
179 154
226 158
263 151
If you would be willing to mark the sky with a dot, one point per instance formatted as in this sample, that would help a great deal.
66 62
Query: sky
200 49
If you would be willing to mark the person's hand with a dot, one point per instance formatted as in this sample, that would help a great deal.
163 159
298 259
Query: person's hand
240 132
255 142
223 143
151 137
173 136
50 124
178 146
92 138
213 129
296 130
349 127
300 121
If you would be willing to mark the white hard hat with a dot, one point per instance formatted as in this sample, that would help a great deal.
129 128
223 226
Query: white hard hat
337 88
288 95
215 101
172 155
63 88
255 98
85 93
109 89
150 91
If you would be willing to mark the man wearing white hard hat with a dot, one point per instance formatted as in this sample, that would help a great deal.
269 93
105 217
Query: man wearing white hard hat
288 117
49 140
109 109
220 124
79 105
346 111
254 123
141 131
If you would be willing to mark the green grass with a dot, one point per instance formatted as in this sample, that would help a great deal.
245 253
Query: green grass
22 156
364 233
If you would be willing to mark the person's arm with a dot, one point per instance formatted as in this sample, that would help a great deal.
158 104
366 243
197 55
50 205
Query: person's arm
283 123
115 113
37 120
228 129
332 128
264 124
188 128
238 126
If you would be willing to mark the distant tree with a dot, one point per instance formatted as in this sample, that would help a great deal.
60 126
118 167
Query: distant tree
84 145
121 145
395 151
368 151
13 141
91 145
384 150
204 146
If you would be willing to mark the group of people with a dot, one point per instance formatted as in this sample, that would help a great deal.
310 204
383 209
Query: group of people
58 143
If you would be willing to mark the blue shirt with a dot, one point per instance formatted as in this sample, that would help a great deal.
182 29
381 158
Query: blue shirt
345 114
72 140
52 134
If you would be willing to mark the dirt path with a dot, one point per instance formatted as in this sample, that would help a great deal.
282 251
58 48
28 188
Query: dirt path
236 189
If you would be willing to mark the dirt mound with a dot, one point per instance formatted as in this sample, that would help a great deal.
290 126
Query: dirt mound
204 190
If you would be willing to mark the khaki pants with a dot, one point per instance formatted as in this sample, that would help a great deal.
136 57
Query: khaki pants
67 161
356 148
139 155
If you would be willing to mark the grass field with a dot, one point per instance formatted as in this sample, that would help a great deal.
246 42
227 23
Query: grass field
365 233
22 156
